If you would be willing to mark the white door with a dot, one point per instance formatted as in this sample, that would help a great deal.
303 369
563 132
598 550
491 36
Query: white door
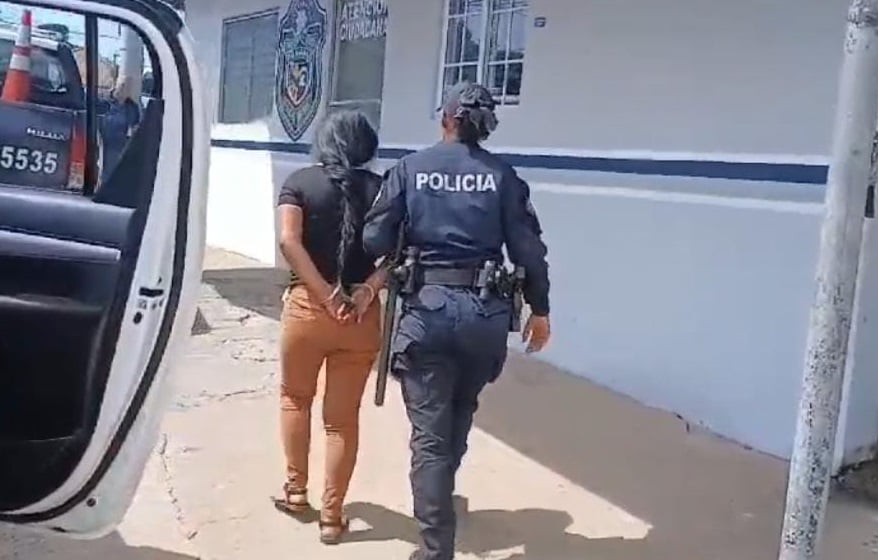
102 217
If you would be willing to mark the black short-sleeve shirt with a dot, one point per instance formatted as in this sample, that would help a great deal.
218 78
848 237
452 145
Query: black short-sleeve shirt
321 202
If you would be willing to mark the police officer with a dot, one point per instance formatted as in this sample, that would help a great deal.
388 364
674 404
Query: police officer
461 205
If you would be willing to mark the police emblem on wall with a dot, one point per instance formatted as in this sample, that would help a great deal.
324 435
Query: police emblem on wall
299 78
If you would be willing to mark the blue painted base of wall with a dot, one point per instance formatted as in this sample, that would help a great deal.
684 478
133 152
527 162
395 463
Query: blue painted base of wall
744 171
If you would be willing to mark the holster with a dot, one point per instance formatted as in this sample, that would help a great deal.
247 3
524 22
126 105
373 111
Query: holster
402 280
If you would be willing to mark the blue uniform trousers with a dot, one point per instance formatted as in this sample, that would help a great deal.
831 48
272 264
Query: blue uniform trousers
448 346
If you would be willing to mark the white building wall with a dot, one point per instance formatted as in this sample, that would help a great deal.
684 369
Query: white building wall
703 76
243 182
687 293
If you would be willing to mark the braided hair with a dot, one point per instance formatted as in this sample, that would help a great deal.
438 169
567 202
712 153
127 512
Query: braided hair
472 110
345 141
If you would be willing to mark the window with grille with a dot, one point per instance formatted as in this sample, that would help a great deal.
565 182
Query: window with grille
247 67
485 43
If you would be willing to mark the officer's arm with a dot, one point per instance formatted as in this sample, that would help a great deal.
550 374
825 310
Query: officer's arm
382 222
521 228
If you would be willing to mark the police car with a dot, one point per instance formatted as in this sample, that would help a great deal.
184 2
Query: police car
42 143
98 289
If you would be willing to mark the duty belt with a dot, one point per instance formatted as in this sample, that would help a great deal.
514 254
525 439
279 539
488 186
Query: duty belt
489 279
451 277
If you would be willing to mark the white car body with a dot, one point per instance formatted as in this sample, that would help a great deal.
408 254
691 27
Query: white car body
154 328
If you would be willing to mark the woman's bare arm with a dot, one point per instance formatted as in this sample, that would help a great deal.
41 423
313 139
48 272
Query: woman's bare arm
364 294
378 278
297 256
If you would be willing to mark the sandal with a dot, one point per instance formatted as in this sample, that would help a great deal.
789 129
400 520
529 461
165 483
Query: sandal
294 502
332 532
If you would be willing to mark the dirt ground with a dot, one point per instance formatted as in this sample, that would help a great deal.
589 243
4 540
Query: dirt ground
558 470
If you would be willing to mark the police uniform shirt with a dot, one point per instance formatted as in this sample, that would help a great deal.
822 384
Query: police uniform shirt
461 204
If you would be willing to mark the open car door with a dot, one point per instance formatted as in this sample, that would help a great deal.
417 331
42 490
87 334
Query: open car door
98 283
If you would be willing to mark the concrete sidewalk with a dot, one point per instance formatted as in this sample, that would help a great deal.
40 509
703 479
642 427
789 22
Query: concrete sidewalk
558 468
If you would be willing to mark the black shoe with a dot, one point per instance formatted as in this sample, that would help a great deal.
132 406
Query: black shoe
418 555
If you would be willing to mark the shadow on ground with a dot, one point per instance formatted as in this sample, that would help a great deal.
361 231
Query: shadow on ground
256 289
703 497
537 534
201 326
112 547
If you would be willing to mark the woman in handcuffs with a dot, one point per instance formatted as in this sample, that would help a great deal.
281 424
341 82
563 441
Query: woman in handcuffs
331 313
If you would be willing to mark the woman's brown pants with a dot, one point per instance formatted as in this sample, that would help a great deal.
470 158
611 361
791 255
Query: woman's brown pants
310 338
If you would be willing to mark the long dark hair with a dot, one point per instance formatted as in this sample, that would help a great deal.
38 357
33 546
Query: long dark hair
346 140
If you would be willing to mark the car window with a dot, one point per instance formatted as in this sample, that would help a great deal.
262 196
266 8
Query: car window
47 72
59 128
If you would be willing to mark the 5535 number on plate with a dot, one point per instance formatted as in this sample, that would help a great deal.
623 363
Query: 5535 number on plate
20 158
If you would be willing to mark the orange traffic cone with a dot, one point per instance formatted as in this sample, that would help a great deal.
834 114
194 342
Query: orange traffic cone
17 84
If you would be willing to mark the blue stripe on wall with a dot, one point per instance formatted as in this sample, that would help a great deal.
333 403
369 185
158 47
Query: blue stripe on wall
749 171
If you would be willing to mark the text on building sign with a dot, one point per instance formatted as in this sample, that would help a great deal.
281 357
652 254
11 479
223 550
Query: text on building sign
362 19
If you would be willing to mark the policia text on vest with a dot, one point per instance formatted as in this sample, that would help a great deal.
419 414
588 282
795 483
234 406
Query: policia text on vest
469 182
